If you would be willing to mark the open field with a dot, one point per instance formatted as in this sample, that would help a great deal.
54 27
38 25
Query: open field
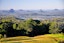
48 38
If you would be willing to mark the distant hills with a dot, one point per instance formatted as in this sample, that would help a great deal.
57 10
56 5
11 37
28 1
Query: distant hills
11 10
35 14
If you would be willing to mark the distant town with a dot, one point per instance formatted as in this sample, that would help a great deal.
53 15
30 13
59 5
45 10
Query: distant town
34 14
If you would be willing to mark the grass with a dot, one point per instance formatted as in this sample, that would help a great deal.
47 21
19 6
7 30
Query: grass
48 38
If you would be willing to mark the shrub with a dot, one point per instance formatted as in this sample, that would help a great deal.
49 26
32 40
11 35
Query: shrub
1 36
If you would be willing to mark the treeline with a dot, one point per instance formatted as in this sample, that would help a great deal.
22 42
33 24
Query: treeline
11 26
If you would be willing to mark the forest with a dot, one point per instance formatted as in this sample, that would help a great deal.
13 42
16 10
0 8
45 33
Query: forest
11 27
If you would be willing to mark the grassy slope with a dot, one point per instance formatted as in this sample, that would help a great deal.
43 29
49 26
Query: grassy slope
48 38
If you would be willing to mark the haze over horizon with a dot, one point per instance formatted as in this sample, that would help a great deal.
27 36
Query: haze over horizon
31 4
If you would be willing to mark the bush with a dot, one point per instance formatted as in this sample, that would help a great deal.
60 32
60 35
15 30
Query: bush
1 36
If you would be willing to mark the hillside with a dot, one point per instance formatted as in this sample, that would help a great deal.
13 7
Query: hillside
48 38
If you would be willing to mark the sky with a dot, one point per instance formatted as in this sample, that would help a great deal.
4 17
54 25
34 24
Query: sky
31 4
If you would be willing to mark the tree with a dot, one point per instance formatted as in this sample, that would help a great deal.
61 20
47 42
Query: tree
2 31
7 27
54 28
15 26
61 27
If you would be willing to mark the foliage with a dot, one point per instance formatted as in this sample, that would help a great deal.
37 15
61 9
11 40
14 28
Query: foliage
1 36
16 27
54 28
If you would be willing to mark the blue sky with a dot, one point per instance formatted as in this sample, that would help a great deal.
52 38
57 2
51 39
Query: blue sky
31 4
